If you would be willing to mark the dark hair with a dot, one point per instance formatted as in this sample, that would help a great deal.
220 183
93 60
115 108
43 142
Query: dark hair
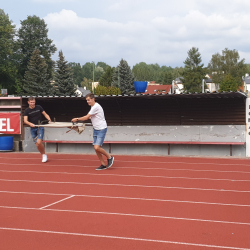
31 98
90 95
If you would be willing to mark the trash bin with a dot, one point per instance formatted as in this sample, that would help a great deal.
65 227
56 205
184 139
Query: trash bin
6 143
140 86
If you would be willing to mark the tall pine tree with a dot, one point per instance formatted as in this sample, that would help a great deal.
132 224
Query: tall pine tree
106 78
8 69
64 83
194 71
168 78
123 78
33 34
36 78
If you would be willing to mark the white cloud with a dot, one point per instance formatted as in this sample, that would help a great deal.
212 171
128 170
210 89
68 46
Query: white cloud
163 37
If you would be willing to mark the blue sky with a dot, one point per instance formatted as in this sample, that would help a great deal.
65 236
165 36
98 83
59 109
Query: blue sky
157 31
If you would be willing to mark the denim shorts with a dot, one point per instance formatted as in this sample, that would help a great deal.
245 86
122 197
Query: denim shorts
37 133
99 136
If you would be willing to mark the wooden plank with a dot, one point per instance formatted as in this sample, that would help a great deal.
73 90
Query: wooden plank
153 142
10 107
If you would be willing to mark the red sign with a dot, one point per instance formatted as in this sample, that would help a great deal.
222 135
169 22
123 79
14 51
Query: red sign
10 123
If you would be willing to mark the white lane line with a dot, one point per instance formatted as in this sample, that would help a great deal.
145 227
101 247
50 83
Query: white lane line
57 202
122 238
134 175
127 185
132 198
154 162
139 168
131 215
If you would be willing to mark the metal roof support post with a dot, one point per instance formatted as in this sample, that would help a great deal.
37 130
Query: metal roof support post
173 87
203 84
247 127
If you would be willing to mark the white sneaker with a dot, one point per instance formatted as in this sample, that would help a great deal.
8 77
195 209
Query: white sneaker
45 158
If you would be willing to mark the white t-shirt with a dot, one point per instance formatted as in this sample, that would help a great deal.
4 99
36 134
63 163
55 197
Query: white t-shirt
97 117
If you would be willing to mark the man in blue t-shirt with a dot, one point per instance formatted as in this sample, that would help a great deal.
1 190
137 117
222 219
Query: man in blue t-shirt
32 115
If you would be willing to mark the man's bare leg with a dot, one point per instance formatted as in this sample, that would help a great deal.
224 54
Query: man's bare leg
40 146
100 151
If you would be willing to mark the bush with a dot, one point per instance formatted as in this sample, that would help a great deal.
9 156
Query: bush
102 90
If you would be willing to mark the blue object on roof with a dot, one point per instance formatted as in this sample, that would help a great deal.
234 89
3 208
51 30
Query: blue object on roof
140 86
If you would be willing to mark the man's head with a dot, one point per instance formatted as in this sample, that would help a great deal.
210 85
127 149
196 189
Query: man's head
90 98
32 102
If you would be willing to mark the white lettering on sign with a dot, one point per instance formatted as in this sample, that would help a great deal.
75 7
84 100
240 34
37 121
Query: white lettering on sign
3 124
8 126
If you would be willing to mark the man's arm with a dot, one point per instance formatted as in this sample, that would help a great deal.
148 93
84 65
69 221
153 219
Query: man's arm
84 118
25 119
46 116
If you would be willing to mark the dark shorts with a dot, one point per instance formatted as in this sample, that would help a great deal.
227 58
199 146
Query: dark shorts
99 136
37 133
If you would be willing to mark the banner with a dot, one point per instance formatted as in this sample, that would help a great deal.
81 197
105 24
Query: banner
10 123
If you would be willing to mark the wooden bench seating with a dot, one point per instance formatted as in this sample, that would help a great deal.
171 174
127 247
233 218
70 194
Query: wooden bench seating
151 142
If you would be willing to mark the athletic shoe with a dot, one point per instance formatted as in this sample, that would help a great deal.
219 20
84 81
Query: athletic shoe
45 158
101 168
110 161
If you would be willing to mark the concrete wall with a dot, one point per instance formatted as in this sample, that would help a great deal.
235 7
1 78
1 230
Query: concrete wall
226 133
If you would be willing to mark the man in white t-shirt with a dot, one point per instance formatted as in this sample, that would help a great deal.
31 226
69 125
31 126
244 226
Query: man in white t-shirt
99 123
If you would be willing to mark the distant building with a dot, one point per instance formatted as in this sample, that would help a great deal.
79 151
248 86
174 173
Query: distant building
153 83
158 89
82 91
246 83
178 85
211 87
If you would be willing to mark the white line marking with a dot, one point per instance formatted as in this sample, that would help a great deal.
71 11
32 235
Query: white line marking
139 168
132 198
123 238
134 175
127 185
155 162
57 202
131 215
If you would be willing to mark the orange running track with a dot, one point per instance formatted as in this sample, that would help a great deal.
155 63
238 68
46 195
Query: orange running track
141 202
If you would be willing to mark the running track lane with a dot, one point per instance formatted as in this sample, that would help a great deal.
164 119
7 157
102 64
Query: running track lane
99 187
124 226
120 239
144 208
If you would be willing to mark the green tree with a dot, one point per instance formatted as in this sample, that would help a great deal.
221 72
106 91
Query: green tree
194 71
77 73
33 34
99 71
87 83
106 78
8 69
64 84
248 68
36 78
168 78
123 78
228 62
87 70
150 72
229 83
102 65
102 90
177 72
143 72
